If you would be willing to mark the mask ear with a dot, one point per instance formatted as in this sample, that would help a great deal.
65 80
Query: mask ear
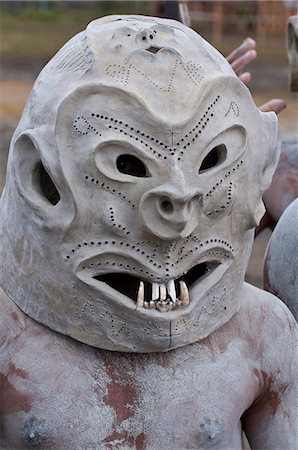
270 150
37 184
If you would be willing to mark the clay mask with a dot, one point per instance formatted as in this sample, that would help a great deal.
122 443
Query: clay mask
134 182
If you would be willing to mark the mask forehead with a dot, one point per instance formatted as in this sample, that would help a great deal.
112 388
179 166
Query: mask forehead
179 57
126 34
155 60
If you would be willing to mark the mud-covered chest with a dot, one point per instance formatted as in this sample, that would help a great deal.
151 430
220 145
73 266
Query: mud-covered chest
124 402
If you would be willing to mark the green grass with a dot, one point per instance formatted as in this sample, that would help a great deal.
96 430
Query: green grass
29 38
30 33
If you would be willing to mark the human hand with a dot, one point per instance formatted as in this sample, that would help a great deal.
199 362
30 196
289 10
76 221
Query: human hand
275 104
241 57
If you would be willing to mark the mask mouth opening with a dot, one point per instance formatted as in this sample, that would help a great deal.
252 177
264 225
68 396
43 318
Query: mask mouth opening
163 297
153 49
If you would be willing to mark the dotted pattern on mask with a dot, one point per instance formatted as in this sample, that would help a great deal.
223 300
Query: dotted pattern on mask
83 126
139 272
181 325
213 300
137 135
219 254
114 224
136 248
143 138
191 251
108 188
169 250
105 315
200 126
117 329
74 56
220 210
161 331
223 207
185 255
227 175
122 74
150 260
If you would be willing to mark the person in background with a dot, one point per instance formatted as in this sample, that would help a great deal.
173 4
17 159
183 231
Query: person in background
281 259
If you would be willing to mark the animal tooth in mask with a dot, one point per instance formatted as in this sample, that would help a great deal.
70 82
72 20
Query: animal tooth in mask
140 298
184 294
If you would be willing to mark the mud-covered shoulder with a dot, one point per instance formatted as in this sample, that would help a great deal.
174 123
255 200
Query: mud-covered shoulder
271 420
269 321
264 306
12 321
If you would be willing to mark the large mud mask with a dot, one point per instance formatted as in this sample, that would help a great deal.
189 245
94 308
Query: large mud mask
134 183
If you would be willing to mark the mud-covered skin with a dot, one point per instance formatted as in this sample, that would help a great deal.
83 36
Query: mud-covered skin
60 394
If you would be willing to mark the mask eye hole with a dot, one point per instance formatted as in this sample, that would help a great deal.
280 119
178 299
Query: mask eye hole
131 165
215 157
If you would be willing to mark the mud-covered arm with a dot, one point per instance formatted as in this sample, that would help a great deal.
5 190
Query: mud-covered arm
271 422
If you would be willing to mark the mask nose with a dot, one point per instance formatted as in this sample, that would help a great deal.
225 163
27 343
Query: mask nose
170 213
146 36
